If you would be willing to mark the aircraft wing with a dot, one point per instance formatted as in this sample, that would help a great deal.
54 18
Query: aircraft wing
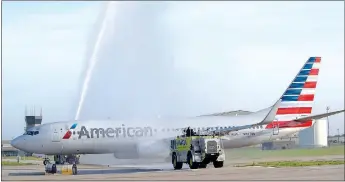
268 119
302 119
318 116
231 129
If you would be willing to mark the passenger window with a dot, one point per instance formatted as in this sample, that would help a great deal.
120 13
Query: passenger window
36 133
261 126
257 127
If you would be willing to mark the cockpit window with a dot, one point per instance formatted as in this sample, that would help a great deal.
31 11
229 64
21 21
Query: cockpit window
31 133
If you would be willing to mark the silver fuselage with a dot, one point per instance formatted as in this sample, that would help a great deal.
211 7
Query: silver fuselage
108 136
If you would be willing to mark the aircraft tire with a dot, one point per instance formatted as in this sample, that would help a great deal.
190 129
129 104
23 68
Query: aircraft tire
218 164
45 162
74 170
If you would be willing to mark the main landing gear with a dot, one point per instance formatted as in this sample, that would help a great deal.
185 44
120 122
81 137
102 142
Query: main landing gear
63 159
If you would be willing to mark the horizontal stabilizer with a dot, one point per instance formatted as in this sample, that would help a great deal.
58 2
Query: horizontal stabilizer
319 116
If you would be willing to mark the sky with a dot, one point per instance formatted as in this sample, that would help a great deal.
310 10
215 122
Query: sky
225 55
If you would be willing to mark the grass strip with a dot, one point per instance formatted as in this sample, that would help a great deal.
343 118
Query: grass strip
10 163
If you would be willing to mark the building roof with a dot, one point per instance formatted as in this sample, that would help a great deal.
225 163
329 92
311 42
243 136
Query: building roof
5 141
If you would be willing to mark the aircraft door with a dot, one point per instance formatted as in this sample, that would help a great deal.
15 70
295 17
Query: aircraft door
57 132
56 136
275 128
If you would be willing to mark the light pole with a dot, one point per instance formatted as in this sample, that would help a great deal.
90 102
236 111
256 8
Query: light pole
327 109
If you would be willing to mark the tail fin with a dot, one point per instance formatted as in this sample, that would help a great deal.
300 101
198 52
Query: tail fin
297 100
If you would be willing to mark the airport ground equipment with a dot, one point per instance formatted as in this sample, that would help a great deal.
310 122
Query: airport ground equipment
197 150
69 169
66 169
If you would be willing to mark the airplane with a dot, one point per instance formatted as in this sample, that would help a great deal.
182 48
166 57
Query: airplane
133 139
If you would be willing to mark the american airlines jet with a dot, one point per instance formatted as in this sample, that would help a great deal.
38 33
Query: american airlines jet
137 138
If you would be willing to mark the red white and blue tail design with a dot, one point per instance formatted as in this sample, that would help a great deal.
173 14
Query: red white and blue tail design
299 96
297 100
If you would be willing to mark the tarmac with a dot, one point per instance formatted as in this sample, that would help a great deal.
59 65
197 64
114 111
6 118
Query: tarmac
164 172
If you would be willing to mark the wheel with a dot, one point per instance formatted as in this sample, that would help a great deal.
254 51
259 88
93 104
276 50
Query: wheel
202 165
54 170
218 164
45 162
191 163
74 170
177 165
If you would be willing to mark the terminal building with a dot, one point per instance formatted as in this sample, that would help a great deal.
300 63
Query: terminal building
8 150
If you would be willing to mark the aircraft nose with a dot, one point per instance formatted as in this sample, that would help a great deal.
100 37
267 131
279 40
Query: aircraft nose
18 143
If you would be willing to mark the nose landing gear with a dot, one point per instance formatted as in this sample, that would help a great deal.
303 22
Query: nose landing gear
46 161
60 164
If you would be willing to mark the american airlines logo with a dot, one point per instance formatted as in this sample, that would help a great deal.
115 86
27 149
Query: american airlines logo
109 132
68 134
